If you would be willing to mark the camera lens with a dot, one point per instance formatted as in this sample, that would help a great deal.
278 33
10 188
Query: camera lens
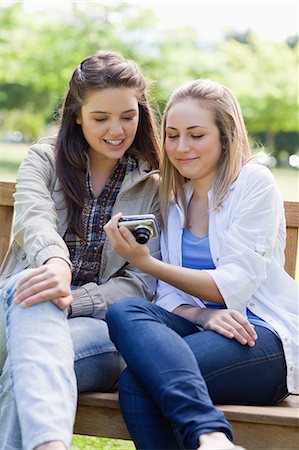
142 234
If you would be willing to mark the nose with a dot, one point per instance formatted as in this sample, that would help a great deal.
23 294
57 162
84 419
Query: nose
116 129
182 145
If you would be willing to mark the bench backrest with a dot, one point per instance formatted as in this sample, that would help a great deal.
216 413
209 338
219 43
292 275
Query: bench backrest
6 217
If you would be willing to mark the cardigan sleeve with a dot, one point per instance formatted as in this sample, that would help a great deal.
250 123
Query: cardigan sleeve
35 224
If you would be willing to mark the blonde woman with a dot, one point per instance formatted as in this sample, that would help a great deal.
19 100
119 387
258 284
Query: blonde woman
224 328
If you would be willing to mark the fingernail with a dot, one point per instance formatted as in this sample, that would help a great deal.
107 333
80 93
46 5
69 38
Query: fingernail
251 344
16 300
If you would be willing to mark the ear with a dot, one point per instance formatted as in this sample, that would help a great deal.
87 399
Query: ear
78 120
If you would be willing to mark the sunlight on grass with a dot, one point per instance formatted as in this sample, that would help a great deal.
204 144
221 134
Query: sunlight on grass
92 443
11 156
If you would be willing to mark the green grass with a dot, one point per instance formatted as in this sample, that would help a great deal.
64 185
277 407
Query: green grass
92 443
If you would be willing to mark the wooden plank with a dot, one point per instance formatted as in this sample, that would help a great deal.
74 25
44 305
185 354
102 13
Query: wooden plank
254 436
6 216
284 414
99 399
292 214
291 251
6 191
99 415
100 421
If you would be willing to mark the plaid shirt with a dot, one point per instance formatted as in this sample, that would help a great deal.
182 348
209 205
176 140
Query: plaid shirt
86 255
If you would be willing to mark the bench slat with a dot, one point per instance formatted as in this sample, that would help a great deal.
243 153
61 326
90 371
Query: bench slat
292 214
6 191
260 427
284 414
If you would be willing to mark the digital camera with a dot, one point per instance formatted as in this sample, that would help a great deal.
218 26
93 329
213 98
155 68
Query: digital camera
143 226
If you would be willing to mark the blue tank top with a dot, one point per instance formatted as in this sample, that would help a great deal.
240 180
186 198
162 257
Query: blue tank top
196 254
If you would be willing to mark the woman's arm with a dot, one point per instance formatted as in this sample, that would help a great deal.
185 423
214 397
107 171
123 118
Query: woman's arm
36 219
36 231
93 300
194 282
227 322
245 252
121 279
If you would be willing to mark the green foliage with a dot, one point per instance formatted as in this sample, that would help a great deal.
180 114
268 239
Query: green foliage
265 84
29 124
41 49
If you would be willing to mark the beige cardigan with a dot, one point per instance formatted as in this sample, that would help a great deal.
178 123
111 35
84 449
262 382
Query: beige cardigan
41 221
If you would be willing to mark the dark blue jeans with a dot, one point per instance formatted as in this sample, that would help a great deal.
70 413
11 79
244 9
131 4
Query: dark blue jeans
176 373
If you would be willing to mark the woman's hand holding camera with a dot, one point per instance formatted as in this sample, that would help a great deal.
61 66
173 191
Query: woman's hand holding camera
124 243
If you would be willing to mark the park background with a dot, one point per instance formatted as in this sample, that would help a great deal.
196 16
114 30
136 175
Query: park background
251 46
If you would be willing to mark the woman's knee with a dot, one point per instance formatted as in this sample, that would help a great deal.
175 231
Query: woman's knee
10 286
122 310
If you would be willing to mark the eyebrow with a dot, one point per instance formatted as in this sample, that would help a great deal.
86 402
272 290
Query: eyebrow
188 128
106 112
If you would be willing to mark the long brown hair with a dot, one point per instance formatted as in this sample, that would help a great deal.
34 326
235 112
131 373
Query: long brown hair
99 71
233 135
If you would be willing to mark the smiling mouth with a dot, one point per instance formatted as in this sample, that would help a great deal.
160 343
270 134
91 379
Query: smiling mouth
186 160
114 142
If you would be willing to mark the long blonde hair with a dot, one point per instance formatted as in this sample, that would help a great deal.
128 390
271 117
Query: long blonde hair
233 135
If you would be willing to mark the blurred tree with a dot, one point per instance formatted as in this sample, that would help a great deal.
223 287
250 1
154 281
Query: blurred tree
41 49
293 41
264 77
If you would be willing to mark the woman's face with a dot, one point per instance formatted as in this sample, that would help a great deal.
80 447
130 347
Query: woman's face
192 140
109 120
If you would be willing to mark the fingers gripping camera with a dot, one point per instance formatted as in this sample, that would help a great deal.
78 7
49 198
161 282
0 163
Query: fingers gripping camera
143 226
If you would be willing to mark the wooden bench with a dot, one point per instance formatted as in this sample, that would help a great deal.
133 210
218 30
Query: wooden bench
98 414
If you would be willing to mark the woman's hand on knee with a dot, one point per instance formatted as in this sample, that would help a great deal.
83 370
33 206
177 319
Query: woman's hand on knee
229 323
50 282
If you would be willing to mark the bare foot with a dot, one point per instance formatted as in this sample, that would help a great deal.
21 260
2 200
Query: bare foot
53 445
215 441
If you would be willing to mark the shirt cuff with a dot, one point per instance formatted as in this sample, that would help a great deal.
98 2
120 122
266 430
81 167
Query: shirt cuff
82 304
51 251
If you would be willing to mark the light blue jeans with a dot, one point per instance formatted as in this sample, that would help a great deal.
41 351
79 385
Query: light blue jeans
46 352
